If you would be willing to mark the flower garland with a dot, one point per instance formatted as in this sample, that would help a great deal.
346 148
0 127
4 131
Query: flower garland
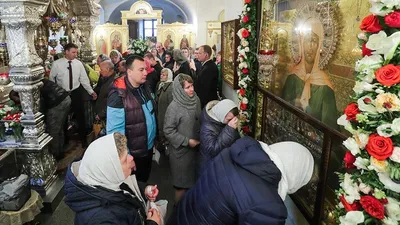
247 58
370 190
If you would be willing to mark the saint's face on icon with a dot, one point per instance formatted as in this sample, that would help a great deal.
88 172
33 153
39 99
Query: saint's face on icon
310 44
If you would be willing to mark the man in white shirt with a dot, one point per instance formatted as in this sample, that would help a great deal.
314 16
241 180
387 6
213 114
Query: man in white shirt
70 74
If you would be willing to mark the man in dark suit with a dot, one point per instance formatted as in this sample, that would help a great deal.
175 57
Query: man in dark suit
207 81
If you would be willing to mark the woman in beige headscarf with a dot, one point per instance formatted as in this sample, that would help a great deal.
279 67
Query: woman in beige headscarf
308 87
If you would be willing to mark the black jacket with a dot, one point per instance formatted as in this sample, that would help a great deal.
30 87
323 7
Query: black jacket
100 206
52 94
214 137
207 83
238 187
184 68
154 77
102 89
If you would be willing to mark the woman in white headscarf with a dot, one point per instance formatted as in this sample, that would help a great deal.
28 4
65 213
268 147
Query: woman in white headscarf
164 98
308 87
218 129
246 184
100 189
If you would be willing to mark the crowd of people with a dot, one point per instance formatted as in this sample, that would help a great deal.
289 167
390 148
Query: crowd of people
168 100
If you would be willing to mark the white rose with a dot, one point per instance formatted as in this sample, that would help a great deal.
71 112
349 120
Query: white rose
393 209
364 188
389 184
396 125
395 39
361 139
391 3
342 121
350 188
378 165
243 84
377 9
370 75
352 218
352 146
370 107
380 43
368 87
371 62
382 130
361 163
379 91
245 101
389 221
239 33
247 49
395 155
248 9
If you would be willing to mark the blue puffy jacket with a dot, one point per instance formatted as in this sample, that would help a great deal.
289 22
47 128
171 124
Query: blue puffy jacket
100 206
214 136
238 187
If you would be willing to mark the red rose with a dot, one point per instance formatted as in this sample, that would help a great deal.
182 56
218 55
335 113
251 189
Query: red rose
379 147
242 92
245 19
349 160
349 207
243 106
247 1
365 50
245 33
351 111
370 24
246 129
245 70
388 75
393 19
373 207
384 201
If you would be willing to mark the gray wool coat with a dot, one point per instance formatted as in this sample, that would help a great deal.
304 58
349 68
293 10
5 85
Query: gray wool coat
180 125
164 98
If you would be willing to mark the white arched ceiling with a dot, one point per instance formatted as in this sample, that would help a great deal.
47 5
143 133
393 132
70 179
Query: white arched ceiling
197 11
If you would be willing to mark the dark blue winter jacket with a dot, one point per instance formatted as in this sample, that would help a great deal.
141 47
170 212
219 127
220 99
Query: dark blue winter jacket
238 187
214 136
95 206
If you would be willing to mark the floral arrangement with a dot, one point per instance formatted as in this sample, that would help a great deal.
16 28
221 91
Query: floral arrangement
137 47
370 190
247 71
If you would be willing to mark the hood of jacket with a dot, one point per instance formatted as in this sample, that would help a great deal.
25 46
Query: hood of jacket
248 154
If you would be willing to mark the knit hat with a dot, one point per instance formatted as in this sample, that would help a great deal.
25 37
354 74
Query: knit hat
222 108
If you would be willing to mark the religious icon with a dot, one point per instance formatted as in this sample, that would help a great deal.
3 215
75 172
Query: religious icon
229 52
141 11
307 86
184 42
116 42
168 43
101 46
